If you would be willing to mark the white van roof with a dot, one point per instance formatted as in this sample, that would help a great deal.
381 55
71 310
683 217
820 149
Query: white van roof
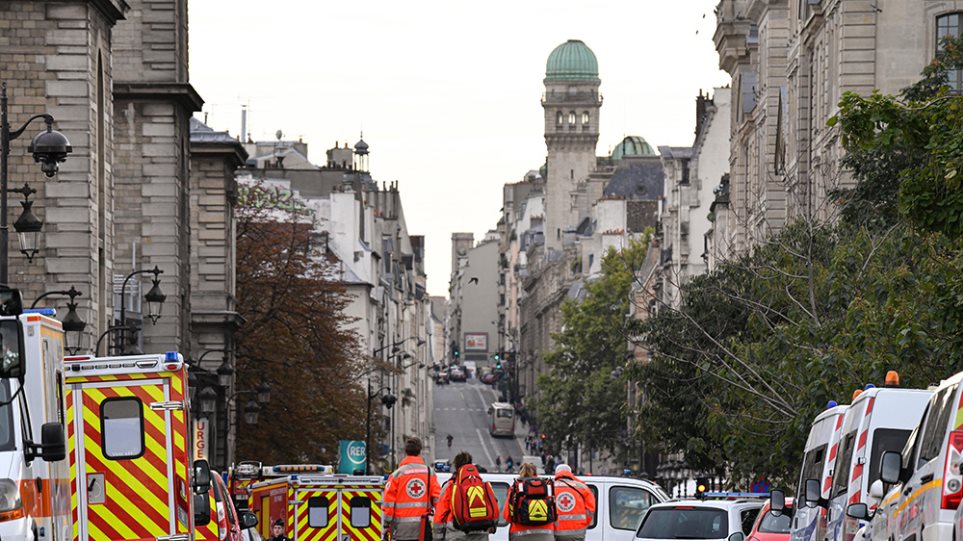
824 426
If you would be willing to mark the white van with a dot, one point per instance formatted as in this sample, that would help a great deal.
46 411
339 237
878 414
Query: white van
822 445
620 504
878 419
926 478
502 421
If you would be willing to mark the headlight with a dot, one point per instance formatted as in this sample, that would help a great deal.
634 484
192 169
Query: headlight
11 506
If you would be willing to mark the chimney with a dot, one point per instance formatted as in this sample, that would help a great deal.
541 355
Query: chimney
701 106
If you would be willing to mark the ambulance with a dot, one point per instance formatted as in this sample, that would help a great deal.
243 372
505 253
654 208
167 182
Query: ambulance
240 478
34 485
130 449
319 506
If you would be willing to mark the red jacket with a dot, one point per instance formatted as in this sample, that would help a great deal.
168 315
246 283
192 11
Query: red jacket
574 505
412 490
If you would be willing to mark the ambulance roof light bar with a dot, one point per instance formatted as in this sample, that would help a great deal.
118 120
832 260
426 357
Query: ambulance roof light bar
286 469
51 312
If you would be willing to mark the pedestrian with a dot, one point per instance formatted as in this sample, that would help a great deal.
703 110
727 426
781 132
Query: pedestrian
575 505
529 507
277 531
460 516
450 438
509 464
409 496
498 463
550 463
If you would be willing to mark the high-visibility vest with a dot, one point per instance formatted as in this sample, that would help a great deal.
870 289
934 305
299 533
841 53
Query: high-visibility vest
574 505
412 490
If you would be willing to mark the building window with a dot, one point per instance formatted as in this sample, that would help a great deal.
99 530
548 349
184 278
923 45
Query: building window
571 118
948 27
559 118
685 173
585 118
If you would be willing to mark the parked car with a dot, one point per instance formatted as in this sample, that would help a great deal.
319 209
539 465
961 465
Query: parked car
925 479
621 502
441 378
720 520
487 378
773 525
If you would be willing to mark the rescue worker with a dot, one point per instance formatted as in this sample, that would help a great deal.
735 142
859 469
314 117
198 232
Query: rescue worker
444 528
410 495
522 532
574 503
277 531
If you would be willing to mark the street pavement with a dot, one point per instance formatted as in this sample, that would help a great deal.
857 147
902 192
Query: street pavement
461 409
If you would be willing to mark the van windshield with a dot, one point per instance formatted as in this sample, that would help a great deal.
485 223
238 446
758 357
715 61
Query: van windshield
504 413
813 463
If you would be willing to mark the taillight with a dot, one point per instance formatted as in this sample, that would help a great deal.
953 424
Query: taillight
952 480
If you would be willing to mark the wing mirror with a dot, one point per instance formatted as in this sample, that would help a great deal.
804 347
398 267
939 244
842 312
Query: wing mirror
814 496
890 466
876 491
777 502
247 519
52 442
738 536
202 509
202 476
859 511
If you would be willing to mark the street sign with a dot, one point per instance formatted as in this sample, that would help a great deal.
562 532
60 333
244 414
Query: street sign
351 456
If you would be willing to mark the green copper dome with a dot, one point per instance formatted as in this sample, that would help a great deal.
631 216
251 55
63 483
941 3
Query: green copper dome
572 60
632 145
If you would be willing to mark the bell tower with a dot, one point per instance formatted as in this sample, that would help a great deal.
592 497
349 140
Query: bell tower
571 103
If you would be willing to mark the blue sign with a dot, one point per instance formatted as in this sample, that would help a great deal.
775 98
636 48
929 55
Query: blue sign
351 456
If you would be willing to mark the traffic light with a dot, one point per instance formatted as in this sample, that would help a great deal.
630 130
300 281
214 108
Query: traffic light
456 353
498 356
702 485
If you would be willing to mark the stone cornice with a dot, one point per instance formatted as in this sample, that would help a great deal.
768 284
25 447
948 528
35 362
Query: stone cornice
182 93
114 10
233 151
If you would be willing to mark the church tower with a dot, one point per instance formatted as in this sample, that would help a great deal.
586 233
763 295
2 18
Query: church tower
571 103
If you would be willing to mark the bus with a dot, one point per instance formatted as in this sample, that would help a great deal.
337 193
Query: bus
502 419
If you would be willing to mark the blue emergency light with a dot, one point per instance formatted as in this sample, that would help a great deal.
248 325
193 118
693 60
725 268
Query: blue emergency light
832 404
42 311
170 356
869 386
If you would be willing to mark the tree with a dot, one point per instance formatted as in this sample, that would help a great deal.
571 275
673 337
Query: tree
295 334
583 395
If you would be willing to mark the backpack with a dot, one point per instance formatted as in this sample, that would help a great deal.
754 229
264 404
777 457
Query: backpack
473 506
533 501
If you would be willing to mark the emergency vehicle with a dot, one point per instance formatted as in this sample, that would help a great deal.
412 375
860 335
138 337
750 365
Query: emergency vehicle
130 448
877 420
819 459
240 478
319 506
34 487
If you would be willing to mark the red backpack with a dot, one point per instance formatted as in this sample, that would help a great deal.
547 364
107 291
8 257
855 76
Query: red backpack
473 505
533 501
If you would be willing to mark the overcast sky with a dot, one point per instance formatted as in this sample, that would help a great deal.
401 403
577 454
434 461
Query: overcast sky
447 92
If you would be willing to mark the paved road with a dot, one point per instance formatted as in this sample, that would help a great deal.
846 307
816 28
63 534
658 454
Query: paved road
461 409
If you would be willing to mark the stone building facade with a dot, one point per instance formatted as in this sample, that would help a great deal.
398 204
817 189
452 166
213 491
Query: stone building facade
790 63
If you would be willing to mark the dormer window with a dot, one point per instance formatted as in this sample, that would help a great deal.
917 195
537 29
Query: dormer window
585 118
571 118
559 119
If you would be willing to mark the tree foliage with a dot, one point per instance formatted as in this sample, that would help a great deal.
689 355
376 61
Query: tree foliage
294 335
589 350
758 346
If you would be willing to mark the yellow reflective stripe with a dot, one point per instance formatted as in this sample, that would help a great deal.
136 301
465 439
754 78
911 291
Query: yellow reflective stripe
935 483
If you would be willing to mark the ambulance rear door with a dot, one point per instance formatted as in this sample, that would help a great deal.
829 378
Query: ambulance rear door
338 510
316 514
360 513
124 460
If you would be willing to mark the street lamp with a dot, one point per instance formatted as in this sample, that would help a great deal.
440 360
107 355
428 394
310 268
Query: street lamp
28 226
387 400
251 411
72 324
264 391
49 148
155 298
225 373
207 399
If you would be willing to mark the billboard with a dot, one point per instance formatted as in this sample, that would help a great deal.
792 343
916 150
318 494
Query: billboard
476 341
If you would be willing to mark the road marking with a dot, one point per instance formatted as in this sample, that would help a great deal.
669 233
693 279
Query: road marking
482 441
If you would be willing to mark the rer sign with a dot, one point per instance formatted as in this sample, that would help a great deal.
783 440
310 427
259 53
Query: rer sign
352 456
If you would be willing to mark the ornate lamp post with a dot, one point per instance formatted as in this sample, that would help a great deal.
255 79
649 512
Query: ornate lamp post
49 148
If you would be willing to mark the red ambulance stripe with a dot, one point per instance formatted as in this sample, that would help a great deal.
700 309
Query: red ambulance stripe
130 493
869 407
862 440
832 452
132 469
158 463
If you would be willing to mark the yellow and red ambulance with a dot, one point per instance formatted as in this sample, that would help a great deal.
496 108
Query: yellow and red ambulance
319 507
130 448
34 486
